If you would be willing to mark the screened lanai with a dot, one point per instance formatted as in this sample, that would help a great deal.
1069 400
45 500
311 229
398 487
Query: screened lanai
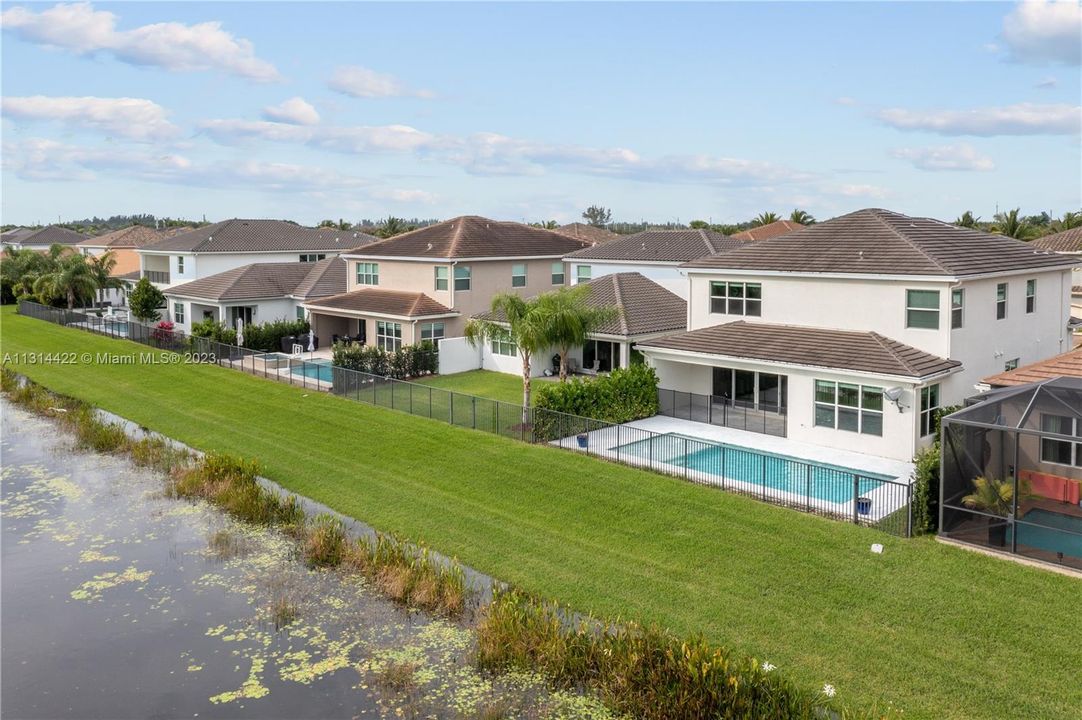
1012 471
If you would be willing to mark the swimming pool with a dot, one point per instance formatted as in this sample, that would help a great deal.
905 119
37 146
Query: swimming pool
1049 537
819 481
317 369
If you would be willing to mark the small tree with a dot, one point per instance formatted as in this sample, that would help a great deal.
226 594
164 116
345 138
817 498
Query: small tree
145 301
1011 225
967 220
597 216
101 267
765 218
569 319
801 216
522 322
70 278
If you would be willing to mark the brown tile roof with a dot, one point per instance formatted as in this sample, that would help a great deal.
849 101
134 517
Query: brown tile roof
474 237
51 235
240 236
327 277
661 246
131 237
1068 241
1068 364
589 233
132 275
770 230
382 302
258 280
794 345
883 242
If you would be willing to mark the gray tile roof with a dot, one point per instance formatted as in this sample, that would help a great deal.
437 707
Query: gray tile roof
382 302
131 237
51 235
327 277
15 234
884 242
471 236
645 306
770 230
1068 241
238 236
673 246
589 233
262 281
815 347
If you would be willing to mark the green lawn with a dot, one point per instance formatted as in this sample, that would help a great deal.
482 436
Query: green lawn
941 632
484 383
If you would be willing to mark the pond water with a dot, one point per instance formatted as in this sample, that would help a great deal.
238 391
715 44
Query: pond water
118 602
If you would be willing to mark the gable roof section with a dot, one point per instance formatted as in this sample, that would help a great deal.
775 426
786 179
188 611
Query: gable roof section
867 352
51 235
765 232
1068 364
471 236
254 281
883 242
239 236
660 246
646 306
131 237
589 233
1068 241
327 277
15 234
382 302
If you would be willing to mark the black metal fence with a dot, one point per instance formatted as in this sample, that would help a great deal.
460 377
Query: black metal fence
722 411
819 489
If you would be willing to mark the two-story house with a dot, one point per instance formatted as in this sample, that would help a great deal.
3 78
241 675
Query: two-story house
122 244
1068 243
655 254
425 284
855 331
42 238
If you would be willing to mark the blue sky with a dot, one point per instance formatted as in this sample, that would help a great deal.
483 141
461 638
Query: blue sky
534 111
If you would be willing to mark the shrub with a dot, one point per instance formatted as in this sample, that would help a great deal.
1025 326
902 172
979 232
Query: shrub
231 484
214 330
925 483
268 336
624 395
324 542
145 300
410 361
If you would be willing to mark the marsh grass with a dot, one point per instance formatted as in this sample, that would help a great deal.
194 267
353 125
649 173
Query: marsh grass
398 676
283 611
410 576
158 454
324 542
231 484
227 545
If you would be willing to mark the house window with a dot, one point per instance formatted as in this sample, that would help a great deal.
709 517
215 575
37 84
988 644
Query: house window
847 406
244 313
300 313
557 273
736 298
432 332
1011 365
518 275
929 405
441 277
367 273
922 309
313 257
180 264
1061 452
1031 295
178 312
1001 301
389 336
462 277
503 345
958 302
583 273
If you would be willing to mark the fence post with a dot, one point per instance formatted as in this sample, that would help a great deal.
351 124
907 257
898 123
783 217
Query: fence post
411 398
392 393
451 410
856 492
807 486
686 456
473 411
429 401
498 403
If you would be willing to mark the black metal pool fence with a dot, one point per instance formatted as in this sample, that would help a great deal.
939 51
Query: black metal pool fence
809 487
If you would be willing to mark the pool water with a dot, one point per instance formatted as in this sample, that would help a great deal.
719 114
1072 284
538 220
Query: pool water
317 369
1049 537
820 481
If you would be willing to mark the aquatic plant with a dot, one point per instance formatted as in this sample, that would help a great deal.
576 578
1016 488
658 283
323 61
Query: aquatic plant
398 676
409 575
159 454
231 484
283 611
324 542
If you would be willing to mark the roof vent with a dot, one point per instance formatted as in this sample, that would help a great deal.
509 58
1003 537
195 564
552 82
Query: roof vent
861 254
428 248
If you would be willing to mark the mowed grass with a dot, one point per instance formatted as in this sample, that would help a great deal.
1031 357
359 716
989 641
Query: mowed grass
483 383
938 631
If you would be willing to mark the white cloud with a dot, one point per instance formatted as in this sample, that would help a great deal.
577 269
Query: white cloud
1039 31
132 118
173 46
415 197
1018 119
361 82
351 139
868 191
294 111
946 157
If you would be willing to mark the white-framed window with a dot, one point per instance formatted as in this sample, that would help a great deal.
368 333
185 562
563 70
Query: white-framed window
243 312
958 306
1001 301
300 313
1031 296
313 257
518 274
557 273
736 298
1011 364
922 309
503 345
367 273
180 264
848 406
1061 452
431 332
440 272
389 335
178 312
583 273
929 405
462 277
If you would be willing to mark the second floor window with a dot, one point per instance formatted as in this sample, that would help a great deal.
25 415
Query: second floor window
958 301
1011 364
389 336
736 298
180 264
518 275
922 309
583 273
1031 295
1061 452
441 277
557 273
1001 301
313 257
462 277
367 273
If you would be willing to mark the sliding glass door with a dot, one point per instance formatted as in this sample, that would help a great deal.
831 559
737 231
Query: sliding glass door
751 389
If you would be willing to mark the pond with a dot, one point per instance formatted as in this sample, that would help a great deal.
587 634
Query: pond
119 602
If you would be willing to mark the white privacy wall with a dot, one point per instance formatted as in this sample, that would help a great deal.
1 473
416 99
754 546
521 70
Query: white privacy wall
457 355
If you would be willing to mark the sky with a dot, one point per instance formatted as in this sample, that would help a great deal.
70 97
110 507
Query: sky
534 111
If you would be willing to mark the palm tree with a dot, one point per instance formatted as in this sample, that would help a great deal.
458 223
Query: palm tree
391 226
801 216
71 278
569 320
102 266
967 220
1011 225
520 321
765 218
1070 220
20 268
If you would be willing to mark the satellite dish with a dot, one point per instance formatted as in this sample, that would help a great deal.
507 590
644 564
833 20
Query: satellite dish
893 394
